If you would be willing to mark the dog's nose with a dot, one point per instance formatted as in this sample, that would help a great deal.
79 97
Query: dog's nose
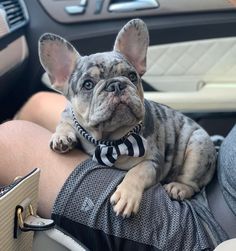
115 86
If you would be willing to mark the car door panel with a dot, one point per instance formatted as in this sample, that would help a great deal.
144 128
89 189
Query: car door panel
196 77
189 66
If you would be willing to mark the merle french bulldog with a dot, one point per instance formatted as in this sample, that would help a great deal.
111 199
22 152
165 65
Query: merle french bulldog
108 115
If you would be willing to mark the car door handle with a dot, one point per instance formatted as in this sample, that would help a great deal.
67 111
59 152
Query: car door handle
133 5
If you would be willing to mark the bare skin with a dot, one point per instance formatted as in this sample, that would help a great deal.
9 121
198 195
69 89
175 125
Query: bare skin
25 145
44 109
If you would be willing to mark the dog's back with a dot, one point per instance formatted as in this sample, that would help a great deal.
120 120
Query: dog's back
184 148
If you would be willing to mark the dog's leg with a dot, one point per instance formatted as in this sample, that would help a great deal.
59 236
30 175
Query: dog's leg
64 139
127 197
198 167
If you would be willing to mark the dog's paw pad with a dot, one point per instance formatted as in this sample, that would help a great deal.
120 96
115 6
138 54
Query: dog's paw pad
63 143
179 191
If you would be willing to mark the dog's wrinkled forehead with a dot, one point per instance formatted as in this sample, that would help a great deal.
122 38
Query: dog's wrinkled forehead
103 65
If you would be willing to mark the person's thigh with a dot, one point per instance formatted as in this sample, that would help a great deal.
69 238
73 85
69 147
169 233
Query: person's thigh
44 109
24 146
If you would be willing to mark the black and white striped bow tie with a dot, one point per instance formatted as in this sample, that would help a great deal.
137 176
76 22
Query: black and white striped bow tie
108 151
133 145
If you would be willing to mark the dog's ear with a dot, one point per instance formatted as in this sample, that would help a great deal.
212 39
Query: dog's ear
132 41
58 57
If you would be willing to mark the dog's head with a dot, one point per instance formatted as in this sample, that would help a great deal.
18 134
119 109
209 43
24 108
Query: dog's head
104 89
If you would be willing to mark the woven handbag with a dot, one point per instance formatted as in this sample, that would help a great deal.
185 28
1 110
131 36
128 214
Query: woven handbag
18 221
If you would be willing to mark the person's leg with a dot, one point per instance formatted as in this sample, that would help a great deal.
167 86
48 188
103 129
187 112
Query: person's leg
24 146
222 189
44 109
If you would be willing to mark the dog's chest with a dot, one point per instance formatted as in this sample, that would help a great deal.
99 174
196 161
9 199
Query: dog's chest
167 133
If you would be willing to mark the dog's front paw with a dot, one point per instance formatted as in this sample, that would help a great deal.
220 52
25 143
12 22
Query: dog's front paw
63 143
179 191
126 200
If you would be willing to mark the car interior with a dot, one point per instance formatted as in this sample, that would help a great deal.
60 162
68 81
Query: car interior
191 62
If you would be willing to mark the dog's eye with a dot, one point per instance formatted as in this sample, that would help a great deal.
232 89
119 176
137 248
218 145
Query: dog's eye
88 84
133 77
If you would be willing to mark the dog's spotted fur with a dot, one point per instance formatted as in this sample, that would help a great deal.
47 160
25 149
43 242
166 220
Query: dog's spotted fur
180 154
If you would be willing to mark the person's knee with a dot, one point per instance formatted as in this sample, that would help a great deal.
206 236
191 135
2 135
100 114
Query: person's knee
28 112
38 98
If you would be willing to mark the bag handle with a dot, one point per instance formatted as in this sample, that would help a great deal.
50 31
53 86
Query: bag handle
27 220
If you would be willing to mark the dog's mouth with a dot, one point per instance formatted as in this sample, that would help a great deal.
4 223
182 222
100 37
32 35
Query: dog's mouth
117 114
121 109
